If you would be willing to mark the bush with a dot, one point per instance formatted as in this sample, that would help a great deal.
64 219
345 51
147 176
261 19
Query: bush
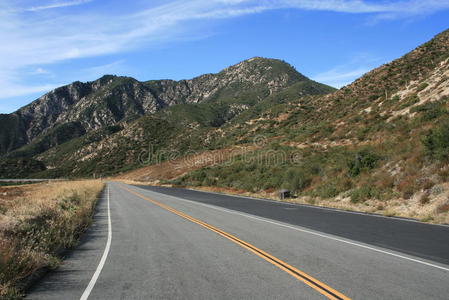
436 142
424 198
355 119
422 86
363 160
395 99
199 175
407 194
325 191
297 180
443 208
364 193
362 132
409 101
430 110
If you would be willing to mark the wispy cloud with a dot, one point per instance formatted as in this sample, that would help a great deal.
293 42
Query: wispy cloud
340 76
110 68
58 5
40 71
15 90
407 9
32 37
343 74
386 7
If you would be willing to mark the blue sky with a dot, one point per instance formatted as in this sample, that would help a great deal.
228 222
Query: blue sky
49 43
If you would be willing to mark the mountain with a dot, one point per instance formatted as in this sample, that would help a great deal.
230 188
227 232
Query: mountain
379 144
82 113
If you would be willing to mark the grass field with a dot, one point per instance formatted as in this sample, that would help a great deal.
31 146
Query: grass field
37 221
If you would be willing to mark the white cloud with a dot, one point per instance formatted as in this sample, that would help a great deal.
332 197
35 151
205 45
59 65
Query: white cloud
14 90
110 68
31 40
58 5
404 7
340 76
343 74
40 71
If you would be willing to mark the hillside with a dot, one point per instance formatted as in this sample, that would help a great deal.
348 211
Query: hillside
380 144
91 128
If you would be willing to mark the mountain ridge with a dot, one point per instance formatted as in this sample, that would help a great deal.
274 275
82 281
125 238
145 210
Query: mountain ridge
380 144
112 99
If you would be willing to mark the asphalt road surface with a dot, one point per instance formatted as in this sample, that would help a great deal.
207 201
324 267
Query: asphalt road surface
162 243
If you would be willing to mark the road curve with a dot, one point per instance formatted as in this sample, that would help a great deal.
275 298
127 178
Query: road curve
178 244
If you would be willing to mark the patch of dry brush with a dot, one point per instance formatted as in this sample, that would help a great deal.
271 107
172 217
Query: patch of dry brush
36 222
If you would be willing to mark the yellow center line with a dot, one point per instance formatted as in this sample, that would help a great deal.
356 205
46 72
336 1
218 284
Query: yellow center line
319 286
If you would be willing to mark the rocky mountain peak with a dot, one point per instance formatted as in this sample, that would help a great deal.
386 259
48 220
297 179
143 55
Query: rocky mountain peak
269 68
112 99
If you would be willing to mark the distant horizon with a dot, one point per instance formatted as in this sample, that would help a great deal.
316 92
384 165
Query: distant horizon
54 43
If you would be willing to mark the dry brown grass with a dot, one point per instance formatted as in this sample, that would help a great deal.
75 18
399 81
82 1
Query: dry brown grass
423 206
36 222
175 168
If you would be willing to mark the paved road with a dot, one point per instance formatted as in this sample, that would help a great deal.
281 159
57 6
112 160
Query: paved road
178 244
411 237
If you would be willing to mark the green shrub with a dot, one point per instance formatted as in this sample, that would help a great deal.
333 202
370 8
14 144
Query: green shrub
199 175
362 161
355 119
430 110
436 142
296 180
325 191
364 193
362 132
422 86
409 101
395 99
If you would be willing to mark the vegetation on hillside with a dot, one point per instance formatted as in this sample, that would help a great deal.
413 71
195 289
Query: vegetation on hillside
182 126
20 167
383 138
11 136
73 110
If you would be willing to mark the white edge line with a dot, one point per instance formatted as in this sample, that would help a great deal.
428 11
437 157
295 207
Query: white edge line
306 231
338 210
100 266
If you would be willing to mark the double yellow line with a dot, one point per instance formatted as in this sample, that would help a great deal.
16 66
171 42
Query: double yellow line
307 279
